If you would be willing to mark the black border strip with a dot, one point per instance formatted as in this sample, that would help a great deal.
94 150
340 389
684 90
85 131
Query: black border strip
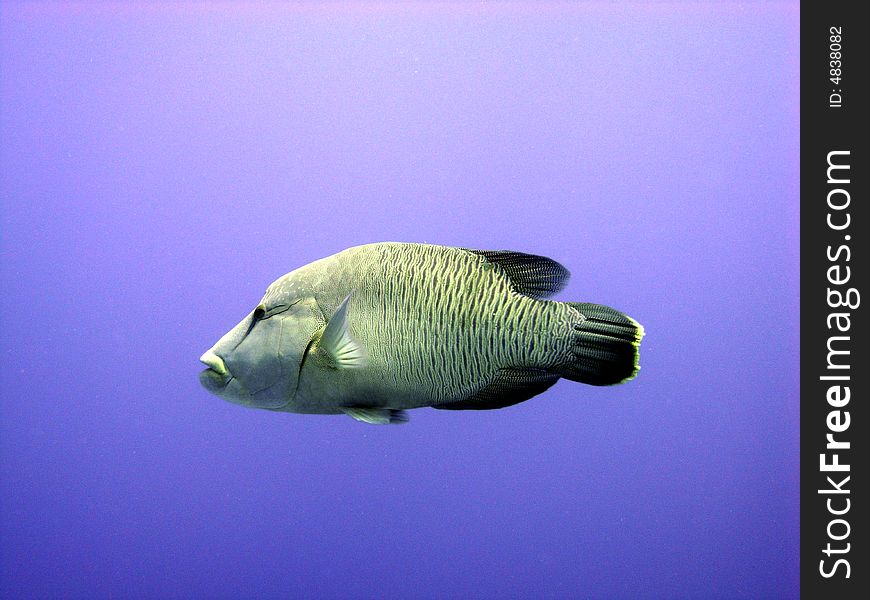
834 362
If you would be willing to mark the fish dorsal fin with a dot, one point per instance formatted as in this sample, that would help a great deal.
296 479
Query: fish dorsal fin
344 351
532 275
377 416
507 387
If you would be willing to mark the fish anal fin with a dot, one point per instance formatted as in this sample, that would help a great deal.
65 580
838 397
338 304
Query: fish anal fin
532 275
508 387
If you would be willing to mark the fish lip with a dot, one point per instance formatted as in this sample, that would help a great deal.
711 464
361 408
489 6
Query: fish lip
216 376
214 381
214 363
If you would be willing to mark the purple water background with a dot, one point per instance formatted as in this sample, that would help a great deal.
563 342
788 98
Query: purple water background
161 164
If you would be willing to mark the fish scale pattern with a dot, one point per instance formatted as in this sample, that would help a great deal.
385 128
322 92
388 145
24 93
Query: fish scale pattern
438 322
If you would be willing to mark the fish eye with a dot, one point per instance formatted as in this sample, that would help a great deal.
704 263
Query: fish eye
264 313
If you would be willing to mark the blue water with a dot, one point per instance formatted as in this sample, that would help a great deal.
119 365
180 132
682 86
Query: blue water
160 166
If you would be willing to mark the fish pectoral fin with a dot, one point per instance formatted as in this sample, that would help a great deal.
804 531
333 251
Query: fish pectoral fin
344 351
377 416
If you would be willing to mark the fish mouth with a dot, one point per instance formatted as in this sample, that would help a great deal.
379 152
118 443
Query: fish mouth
216 376
214 362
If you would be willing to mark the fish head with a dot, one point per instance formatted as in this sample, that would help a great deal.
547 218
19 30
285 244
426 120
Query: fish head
257 363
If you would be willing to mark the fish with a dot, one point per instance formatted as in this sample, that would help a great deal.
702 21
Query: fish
378 329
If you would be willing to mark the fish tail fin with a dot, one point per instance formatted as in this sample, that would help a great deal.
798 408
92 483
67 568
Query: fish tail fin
604 346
